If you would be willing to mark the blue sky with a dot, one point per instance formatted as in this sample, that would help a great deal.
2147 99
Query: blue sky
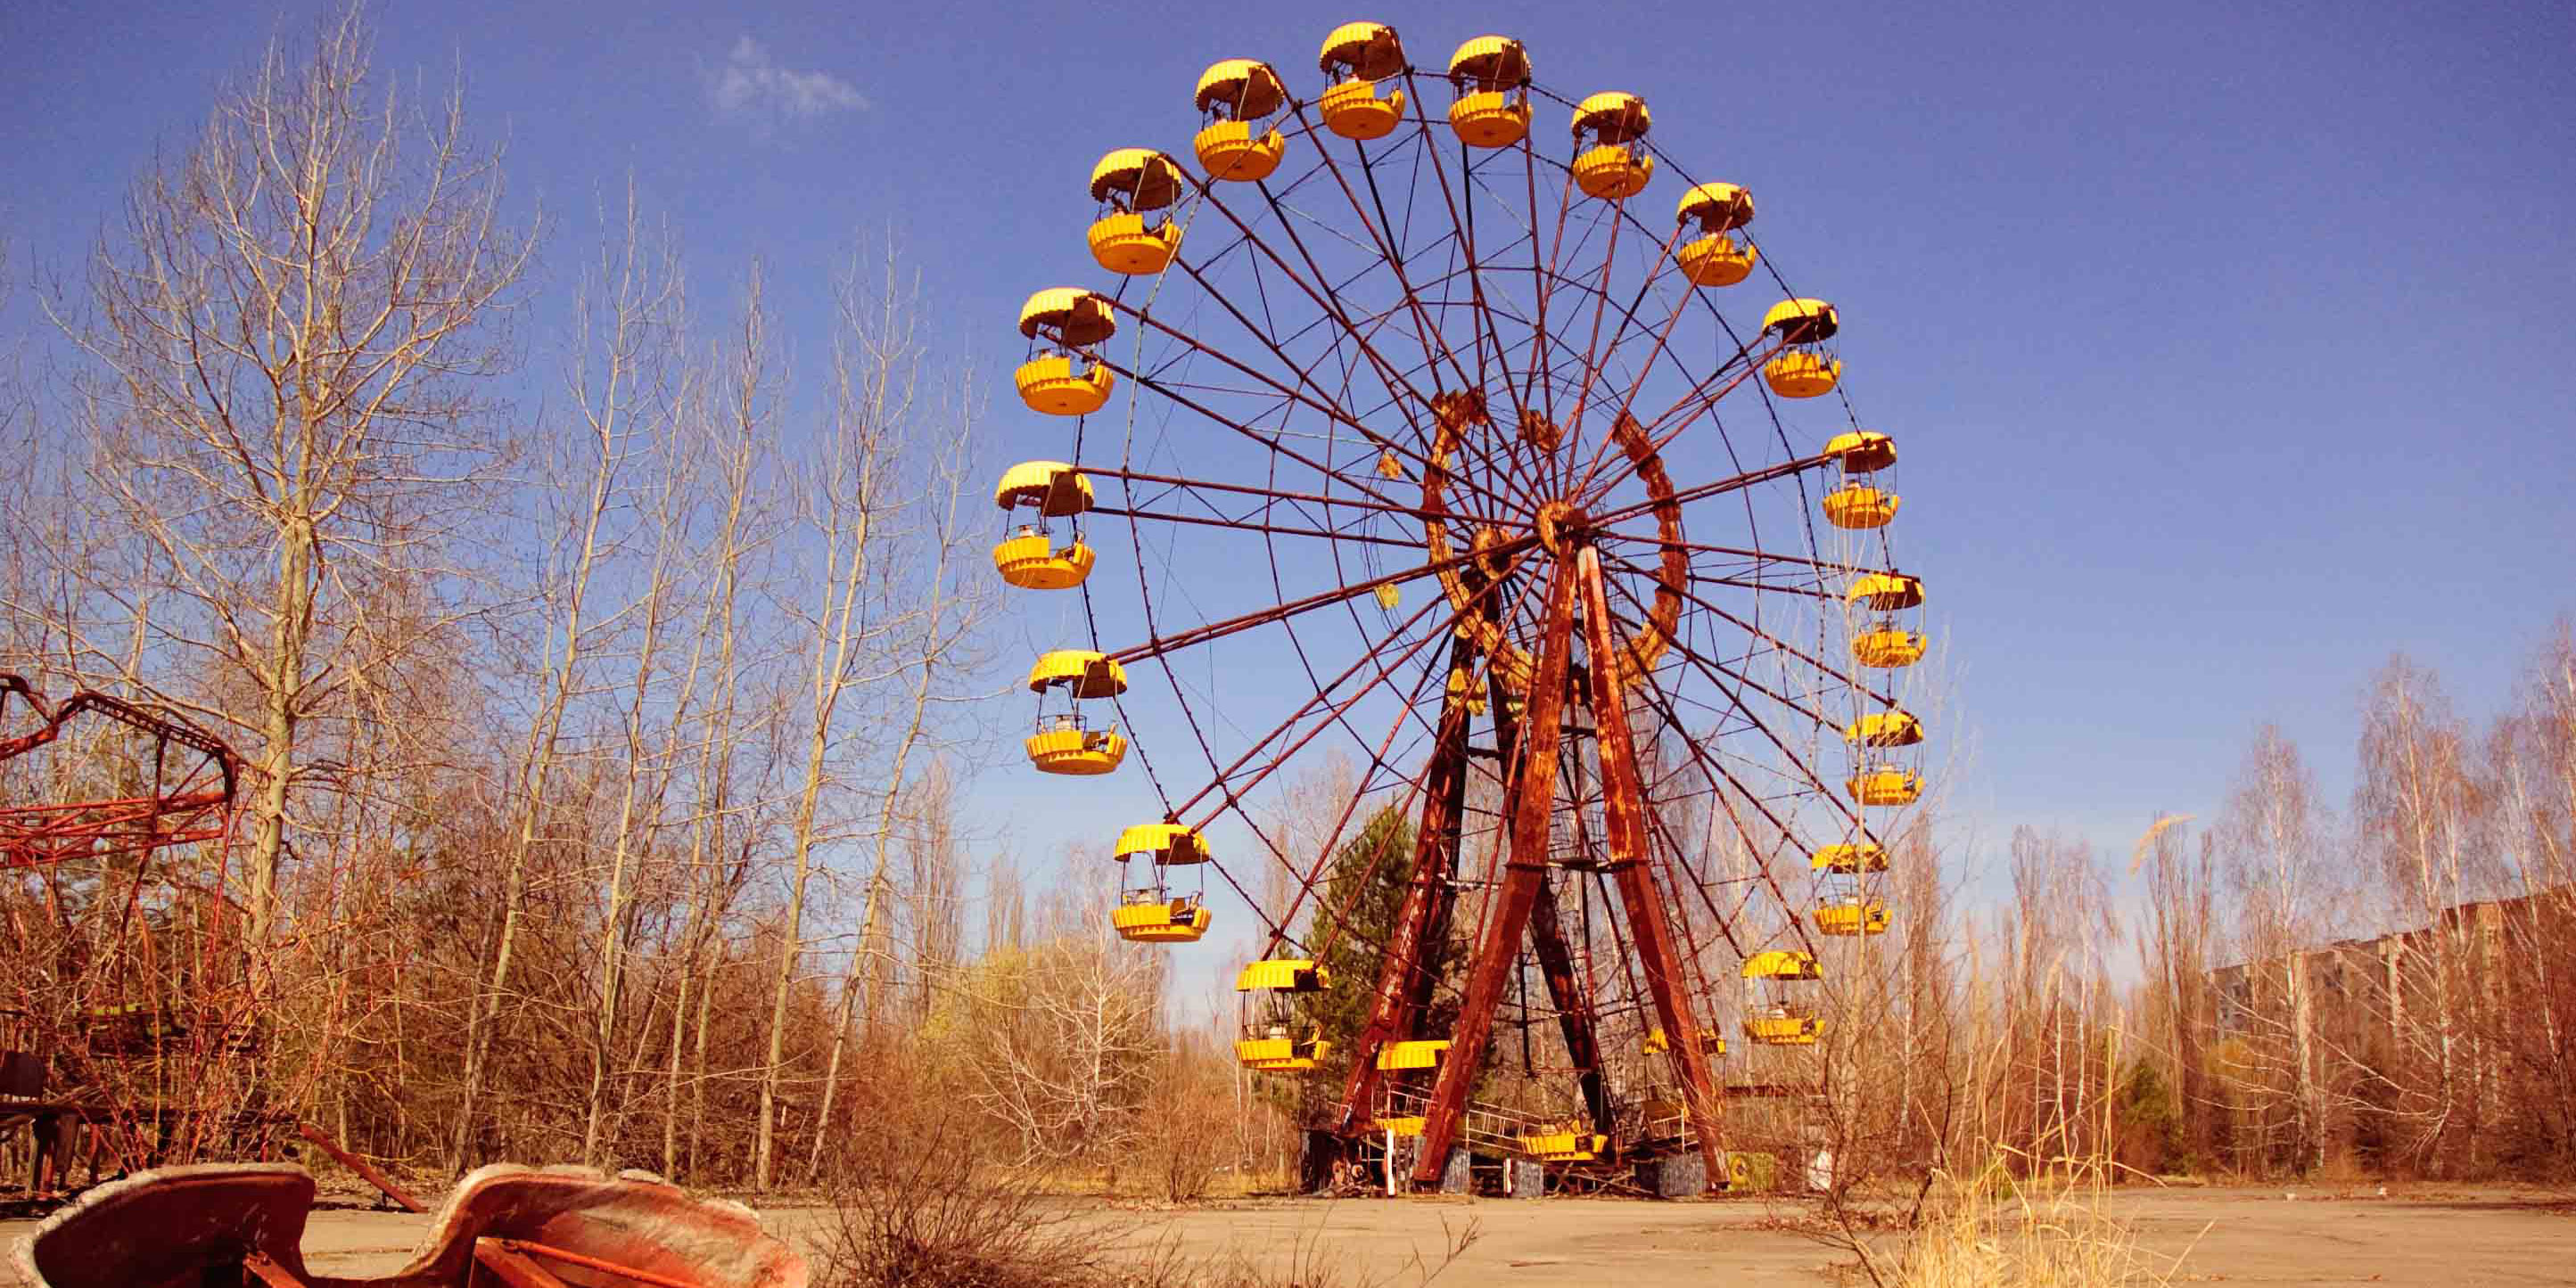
2230 346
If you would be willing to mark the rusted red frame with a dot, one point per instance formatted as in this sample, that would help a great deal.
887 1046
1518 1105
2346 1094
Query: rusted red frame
1632 868
183 807
1507 916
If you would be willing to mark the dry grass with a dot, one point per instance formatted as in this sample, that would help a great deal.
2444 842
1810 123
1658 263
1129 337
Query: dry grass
928 1216
1994 1232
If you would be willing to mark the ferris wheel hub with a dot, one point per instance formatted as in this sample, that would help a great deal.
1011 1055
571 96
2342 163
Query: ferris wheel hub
1563 526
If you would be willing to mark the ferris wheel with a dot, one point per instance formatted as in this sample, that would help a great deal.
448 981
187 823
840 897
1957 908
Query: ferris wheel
1406 420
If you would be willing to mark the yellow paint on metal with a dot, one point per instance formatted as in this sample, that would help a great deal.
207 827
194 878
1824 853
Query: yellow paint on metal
1170 844
1122 243
1411 1055
1353 110
1068 315
1782 963
1088 674
1886 646
1886 592
1367 50
1852 918
1861 856
1716 260
1884 729
1178 922
1613 171
1859 506
1049 385
1388 597
1784 1030
1402 1125
1281 1055
1234 154
1862 451
1803 321
1076 751
1150 179
1881 785
1296 975
1612 117
1247 87
1798 374
1490 63
1718 207
1489 119
1034 562
1056 489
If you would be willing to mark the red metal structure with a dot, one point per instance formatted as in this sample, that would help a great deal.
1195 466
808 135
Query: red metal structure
115 1044
1443 450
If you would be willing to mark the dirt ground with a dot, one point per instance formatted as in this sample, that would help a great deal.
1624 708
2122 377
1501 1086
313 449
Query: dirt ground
2421 1237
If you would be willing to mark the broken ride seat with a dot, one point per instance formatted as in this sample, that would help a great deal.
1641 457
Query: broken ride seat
221 1225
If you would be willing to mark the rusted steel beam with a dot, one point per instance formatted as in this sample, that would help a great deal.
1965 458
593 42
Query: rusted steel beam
361 1166
1624 808
1392 1010
1507 918
265 1270
1573 1008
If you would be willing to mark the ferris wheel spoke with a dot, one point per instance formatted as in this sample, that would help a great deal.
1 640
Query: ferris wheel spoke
1322 697
1722 781
1717 669
1160 646
1433 343
1181 483
1319 402
1663 341
1722 677
1702 603
1393 378
1269 440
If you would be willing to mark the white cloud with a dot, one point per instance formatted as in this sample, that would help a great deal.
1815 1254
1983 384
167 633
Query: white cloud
749 84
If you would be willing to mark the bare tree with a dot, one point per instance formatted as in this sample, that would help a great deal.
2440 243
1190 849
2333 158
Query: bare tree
287 341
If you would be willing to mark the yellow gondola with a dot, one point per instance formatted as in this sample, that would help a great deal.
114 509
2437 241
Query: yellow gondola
1569 1143
1060 321
1064 743
1782 964
1804 369
1161 921
1615 165
1149 911
1411 1055
1130 184
1234 96
1274 1035
1658 1042
1029 557
1714 258
1884 644
1859 506
1491 75
1784 1025
1852 916
1862 451
1884 729
1355 58
1776 1020
1884 785
1885 592
1850 857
